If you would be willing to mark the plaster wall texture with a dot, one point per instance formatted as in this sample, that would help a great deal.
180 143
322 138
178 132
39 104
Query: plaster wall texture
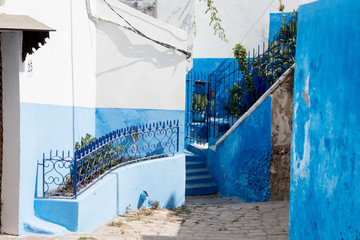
241 164
281 132
181 15
244 21
62 76
59 98
51 79
163 179
325 156
133 72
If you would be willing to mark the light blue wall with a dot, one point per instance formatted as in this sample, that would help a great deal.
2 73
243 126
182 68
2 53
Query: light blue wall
241 164
110 119
50 127
325 170
163 179
44 127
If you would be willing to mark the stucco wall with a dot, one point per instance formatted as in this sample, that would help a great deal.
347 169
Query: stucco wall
241 164
245 21
281 132
325 197
163 179
59 98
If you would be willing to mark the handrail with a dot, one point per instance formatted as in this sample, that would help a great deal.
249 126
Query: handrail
270 91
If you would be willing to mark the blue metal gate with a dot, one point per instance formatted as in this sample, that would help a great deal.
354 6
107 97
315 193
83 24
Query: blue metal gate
198 107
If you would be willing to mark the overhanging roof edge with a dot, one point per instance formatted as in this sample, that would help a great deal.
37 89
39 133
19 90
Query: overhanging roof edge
22 23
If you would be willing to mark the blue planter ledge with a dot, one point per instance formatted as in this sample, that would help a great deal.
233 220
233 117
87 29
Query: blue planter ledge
163 179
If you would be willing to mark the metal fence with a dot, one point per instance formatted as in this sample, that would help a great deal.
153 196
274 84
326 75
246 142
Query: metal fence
225 94
64 177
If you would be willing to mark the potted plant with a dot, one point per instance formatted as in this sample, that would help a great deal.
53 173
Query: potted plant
199 104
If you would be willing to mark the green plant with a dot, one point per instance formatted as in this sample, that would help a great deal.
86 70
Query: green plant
215 21
109 151
128 208
235 102
199 102
115 224
87 238
268 66
155 205
88 139
180 210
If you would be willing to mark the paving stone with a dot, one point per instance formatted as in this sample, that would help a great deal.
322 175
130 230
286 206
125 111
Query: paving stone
209 217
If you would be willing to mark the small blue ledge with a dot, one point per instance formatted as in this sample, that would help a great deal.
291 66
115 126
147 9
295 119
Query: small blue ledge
163 179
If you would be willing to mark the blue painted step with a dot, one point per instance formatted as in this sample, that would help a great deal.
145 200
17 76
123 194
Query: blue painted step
198 178
195 165
196 172
200 188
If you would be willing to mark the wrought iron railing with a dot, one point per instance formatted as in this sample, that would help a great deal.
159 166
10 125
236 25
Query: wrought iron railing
64 177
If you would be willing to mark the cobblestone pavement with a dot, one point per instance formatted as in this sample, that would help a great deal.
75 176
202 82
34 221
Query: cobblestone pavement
204 217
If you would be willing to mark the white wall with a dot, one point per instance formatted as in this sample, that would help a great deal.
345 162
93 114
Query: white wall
11 52
245 21
133 72
51 80
83 66
179 14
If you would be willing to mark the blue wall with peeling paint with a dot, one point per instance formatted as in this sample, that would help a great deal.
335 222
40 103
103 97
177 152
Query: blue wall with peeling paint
325 170
241 164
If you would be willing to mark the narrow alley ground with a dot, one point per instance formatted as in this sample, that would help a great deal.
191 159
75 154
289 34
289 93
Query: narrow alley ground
204 217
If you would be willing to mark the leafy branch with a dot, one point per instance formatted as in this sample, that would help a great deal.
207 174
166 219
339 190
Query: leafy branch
215 21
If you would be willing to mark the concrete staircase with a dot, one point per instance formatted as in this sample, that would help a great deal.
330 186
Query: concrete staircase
198 178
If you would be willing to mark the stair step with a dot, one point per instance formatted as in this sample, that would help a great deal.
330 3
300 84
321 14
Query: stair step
195 158
197 172
200 188
199 179
196 150
195 165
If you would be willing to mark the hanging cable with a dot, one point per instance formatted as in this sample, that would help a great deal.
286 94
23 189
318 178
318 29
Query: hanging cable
132 28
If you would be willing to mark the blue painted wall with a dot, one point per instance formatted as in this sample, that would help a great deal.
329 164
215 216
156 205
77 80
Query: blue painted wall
276 23
241 164
208 65
325 170
163 179
50 127
44 127
110 119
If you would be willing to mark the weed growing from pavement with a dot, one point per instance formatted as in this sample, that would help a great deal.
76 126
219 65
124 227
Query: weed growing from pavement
115 224
180 210
87 238
155 205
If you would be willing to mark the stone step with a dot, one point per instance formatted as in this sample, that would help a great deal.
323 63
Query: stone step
195 158
200 188
199 179
196 150
197 172
195 165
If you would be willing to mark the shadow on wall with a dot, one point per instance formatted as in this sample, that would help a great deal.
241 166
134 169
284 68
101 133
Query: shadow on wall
145 201
139 52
